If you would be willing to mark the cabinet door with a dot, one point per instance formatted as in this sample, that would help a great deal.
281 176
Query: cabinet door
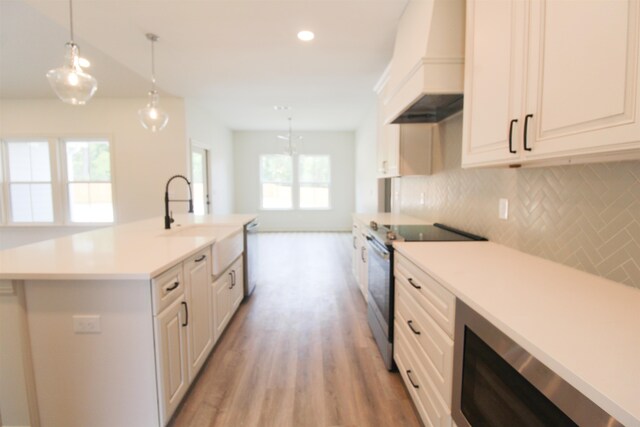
172 357
493 81
364 266
197 271
222 301
583 81
237 290
355 253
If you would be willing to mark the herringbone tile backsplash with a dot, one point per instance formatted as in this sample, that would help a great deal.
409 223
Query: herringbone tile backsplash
584 216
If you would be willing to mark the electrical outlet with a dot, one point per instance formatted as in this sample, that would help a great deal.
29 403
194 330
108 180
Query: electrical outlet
503 209
86 324
421 199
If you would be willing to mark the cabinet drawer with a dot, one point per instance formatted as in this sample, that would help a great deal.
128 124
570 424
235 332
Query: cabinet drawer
439 303
432 409
166 288
431 344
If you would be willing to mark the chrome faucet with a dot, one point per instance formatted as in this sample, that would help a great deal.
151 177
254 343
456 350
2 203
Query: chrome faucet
168 219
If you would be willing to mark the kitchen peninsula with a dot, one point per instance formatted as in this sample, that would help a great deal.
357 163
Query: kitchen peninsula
111 326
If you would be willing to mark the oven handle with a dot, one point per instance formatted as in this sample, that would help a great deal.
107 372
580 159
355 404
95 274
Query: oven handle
378 248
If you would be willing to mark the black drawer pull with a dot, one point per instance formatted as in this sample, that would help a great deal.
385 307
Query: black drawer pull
201 258
232 281
413 284
186 312
175 285
410 323
410 380
526 126
513 122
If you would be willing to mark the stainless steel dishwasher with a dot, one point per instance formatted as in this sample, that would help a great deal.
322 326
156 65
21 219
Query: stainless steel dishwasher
250 256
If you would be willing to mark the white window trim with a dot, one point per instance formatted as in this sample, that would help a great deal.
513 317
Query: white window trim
329 183
295 185
293 199
59 183
6 181
64 180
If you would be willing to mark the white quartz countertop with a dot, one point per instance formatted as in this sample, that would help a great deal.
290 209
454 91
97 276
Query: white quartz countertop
583 327
387 218
133 251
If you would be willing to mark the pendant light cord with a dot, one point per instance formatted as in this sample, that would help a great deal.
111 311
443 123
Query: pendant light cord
71 20
153 65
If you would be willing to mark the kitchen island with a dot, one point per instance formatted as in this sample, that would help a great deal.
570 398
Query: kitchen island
111 326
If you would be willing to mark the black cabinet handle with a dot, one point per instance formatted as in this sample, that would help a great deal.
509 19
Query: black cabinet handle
410 323
233 277
186 312
230 274
413 284
362 249
513 122
201 258
175 285
526 125
410 380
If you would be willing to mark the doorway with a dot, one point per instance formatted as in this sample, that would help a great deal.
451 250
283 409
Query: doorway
200 179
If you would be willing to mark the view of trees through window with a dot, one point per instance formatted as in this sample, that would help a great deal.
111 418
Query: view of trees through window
89 181
312 177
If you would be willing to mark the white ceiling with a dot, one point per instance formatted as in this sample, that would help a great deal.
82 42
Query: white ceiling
237 57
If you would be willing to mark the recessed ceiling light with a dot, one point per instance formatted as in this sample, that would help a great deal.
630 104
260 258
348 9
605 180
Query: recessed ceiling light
281 107
84 62
306 36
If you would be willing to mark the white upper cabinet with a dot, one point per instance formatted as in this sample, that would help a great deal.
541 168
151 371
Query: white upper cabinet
551 82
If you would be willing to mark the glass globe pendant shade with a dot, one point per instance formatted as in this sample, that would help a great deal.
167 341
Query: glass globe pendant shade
70 82
153 117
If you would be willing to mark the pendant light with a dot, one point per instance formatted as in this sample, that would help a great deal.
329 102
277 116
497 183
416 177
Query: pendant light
152 116
70 82
291 147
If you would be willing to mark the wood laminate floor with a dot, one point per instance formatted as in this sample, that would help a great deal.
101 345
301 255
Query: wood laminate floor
299 351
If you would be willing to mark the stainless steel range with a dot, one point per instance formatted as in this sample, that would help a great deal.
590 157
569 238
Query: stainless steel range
381 283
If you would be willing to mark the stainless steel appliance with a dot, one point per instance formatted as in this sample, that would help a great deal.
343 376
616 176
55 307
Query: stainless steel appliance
381 284
250 256
498 383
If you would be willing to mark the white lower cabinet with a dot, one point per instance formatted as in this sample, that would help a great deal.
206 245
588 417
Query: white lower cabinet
360 256
171 357
190 314
227 292
423 340
197 271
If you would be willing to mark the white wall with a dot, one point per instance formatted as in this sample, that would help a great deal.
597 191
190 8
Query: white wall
143 161
366 182
204 130
248 146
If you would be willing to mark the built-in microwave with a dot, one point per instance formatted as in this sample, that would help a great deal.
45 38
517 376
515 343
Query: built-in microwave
498 383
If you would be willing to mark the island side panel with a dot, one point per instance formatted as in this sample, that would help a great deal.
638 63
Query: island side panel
93 379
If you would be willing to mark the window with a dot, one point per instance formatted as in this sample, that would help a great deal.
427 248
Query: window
314 180
311 179
276 181
89 181
29 178
51 181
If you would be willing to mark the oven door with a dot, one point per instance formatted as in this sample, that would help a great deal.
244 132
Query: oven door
380 301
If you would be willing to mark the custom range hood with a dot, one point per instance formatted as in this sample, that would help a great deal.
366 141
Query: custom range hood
426 78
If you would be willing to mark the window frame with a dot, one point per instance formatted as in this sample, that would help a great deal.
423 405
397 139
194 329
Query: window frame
260 184
329 184
7 215
59 179
64 179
